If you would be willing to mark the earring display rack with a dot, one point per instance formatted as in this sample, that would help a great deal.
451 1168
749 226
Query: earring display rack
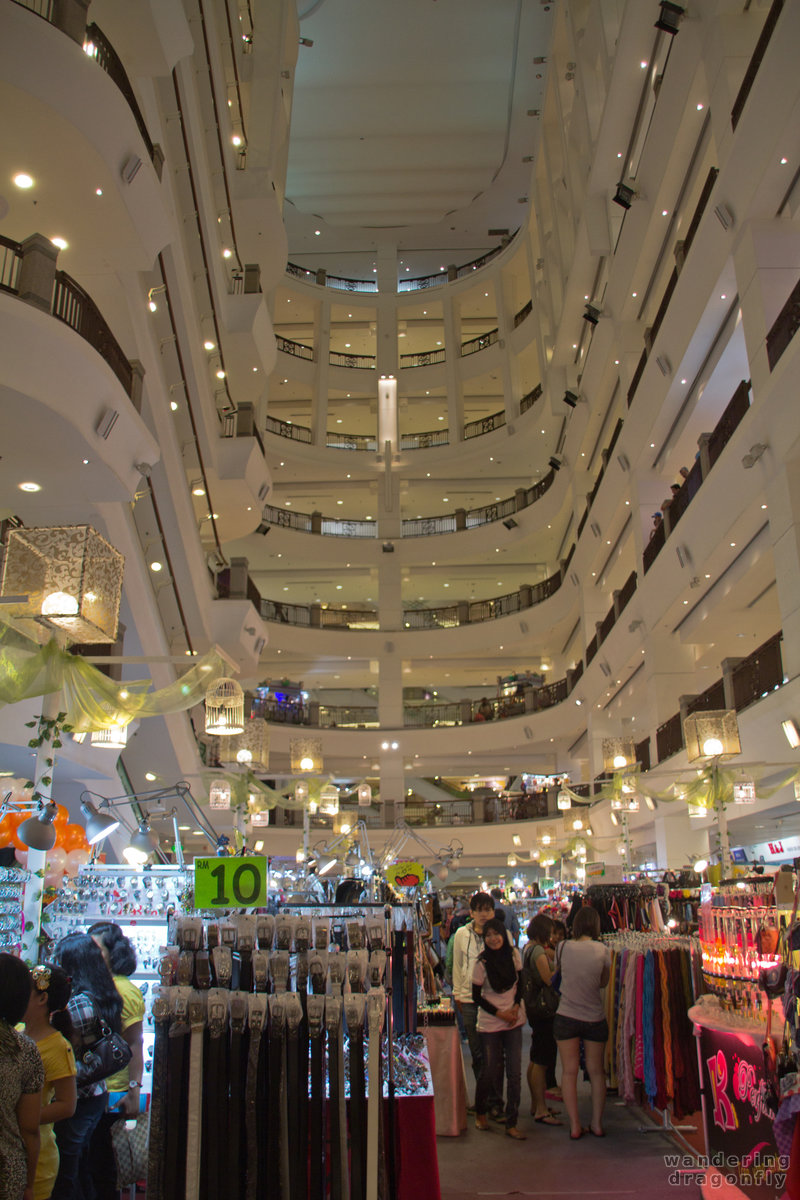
13 881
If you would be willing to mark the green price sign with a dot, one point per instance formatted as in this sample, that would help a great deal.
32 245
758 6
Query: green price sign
230 882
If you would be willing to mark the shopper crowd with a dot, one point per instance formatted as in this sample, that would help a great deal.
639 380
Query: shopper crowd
557 985
56 1114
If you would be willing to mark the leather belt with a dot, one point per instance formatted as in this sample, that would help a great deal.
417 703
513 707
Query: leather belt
237 1160
256 1019
276 1124
177 1090
215 1092
296 1098
197 1022
376 1004
337 1124
155 1154
354 1013
316 1107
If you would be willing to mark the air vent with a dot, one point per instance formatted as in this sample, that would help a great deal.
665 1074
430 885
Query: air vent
497 233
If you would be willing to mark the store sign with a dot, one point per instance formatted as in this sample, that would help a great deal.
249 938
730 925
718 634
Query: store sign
230 882
778 851
739 1131
595 870
406 874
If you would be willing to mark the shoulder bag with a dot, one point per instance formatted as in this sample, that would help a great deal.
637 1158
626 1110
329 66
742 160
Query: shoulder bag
109 1054
540 999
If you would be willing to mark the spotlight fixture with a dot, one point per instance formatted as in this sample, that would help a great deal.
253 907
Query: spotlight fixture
670 17
388 547
725 217
570 399
37 832
510 523
554 463
623 196
592 314
624 462
98 825
790 730
306 42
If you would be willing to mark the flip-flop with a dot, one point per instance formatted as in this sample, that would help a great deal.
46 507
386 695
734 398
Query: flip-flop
601 1134
548 1119
574 1137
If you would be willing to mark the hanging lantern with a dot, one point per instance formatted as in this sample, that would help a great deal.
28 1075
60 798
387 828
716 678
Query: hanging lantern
250 748
512 860
306 755
329 800
744 791
364 795
696 810
616 802
260 818
618 753
219 796
577 823
564 800
225 708
115 738
632 804
71 576
301 792
713 734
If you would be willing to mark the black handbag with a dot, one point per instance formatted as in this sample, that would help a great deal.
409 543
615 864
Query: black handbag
545 1003
109 1054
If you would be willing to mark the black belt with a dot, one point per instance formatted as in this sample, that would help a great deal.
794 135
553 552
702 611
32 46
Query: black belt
354 1011
257 1012
337 1124
276 1031
155 1155
316 1111
216 1075
237 1158
177 1092
296 1099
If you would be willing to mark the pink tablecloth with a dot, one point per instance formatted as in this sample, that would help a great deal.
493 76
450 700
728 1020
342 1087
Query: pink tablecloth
449 1084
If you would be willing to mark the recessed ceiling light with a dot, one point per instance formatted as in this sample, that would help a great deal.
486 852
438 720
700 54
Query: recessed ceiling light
98 191
23 181
30 487
198 490
173 405
665 212
317 232
62 243
156 566
85 462
149 776
700 107
784 162
226 253
340 501
220 374
209 345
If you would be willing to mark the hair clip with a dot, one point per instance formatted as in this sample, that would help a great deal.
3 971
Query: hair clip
41 978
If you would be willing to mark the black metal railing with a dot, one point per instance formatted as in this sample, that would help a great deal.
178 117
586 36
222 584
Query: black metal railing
10 259
424 441
524 312
331 527
626 592
284 519
301 273
350 441
758 674
530 398
729 421
98 47
428 526
484 425
755 61
700 208
481 342
711 700
669 738
489 513
424 359
285 429
653 547
477 263
42 8
76 308
362 362
340 284
642 749
296 349
422 282
784 327
446 617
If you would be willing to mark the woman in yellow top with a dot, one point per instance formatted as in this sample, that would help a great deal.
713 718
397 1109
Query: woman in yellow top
47 1022
124 1088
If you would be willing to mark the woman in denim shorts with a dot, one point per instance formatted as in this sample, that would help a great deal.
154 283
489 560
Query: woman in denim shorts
585 970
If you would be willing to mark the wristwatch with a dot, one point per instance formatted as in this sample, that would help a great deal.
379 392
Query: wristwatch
134 1083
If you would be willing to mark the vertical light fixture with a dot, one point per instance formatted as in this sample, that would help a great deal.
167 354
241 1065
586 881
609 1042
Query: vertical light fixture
225 708
711 735
305 754
364 795
618 753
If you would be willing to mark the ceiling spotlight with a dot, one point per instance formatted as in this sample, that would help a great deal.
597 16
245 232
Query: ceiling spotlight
623 196
510 523
670 17
98 825
306 42
570 399
754 454
791 732
554 463
591 314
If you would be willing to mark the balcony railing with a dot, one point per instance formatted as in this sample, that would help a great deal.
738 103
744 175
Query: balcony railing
711 700
653 548
755 61
330 527
446 617
285 429
10 259
76 308
669 738
484 425
285 519
479 343
422 283
296 349
424 441
524 312
301 273
424 359
98 47
350 441
758 674
729 421
529 399
361 362
428 526
784 328
340 284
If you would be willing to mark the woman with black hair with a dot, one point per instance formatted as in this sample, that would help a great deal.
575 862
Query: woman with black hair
124 1088
47 1022
543 1044
497 991
94 1000
21 1080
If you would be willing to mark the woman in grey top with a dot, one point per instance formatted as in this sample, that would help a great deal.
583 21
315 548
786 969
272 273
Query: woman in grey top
585 971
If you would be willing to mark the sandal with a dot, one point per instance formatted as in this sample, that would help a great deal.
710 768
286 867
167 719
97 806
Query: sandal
514 1133
547 1119
482 1124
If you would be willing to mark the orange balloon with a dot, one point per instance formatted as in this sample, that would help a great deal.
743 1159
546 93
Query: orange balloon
62 817
73 838
6 829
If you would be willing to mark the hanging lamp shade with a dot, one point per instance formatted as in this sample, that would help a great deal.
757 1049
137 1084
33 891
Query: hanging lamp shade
219 795
113 738
71 576
225 708
618 753
712 734
301 792
564 801
364 795
250 748
329 800
37 832
306 755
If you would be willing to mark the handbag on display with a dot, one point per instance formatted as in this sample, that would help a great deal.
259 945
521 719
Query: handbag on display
109 1054
129 1140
